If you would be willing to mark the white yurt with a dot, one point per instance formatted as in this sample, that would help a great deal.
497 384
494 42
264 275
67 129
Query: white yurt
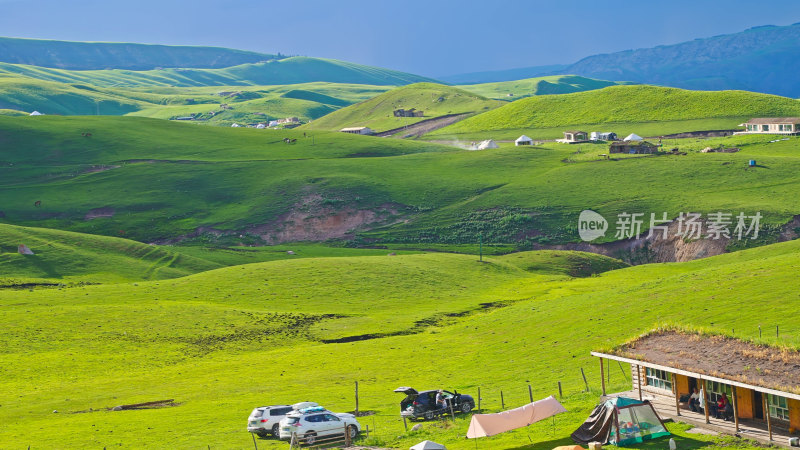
523 140
633 137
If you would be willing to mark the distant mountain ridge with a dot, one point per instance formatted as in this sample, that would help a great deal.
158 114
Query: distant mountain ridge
494 76
762 59
107 55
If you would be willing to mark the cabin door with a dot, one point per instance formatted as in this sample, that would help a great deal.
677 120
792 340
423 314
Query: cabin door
758 401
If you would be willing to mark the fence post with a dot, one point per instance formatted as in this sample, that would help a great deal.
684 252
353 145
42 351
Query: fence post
502 403
530 393
356 414
584 380
405 424
560 394
347 441
479 399
254 440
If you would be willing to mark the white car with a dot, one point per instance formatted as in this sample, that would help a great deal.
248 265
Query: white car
311 423
265 419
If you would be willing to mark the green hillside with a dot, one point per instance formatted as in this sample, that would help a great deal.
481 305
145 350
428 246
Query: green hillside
624 105
63 257
298 69
244 104
377 113
556 84
105 55
168 181
499 326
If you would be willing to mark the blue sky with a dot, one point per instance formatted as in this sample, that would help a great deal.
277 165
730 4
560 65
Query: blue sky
425 37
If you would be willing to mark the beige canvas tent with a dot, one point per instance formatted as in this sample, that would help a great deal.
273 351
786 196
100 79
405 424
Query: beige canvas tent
483 425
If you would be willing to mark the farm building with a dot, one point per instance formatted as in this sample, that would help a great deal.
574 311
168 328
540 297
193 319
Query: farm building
761 383
523 140
288 120
775 125
633 147
408 113
572 137
358 130
603 136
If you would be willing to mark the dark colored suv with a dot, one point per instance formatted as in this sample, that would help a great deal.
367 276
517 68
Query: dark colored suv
423 404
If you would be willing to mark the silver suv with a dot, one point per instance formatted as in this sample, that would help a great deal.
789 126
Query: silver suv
265 419
310 423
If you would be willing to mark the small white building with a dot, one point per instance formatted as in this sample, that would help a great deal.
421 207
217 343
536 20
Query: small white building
235 125
574 137
272 123
261 126
603 136
774 125
358 130
36 113
523 140
633 137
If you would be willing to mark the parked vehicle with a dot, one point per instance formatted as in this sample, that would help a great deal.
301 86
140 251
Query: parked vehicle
423 404
312 423
266 419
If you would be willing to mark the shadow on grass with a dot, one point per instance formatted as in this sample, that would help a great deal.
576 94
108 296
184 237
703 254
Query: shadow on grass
683 443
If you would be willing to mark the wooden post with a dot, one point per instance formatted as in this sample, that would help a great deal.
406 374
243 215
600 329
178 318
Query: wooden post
479 399
502 403
254 440
602 377
356 412
608 371
705 399
735 409
453 414
584 380
347 441
405 424
639 380
530 393
766 413
560 394
677 395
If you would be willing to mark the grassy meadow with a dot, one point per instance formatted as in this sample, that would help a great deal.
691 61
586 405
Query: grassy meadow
223 341
433 99
618 106
549 85
159 181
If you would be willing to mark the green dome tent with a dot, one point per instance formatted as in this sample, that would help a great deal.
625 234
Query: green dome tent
621 421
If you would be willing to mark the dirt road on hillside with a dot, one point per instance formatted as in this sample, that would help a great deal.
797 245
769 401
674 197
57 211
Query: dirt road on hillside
423 127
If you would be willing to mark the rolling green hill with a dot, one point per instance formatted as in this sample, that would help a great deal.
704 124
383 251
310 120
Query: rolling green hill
170 182
433 99
499 326
556 84
298 69
105 55
623 105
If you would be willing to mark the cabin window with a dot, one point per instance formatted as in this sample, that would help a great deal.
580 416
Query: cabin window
764 127
778 407
715 391
659 378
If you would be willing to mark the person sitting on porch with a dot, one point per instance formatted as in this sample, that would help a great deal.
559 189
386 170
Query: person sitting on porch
722 403
694 401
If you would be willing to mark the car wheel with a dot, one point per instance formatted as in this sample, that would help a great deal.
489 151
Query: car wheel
310 438
276 429
352 431
466 407
429 415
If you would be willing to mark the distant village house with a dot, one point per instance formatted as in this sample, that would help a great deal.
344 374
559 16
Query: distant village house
408 113
774 125
358 130
574 137
288 120
603 136
633 147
